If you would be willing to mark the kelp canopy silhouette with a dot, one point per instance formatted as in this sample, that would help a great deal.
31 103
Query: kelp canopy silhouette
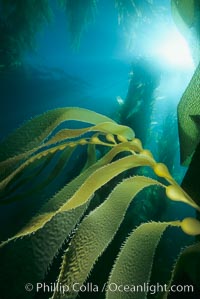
20 21
31 250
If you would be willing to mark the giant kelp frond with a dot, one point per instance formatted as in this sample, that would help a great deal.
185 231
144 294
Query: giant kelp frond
189 118
186 17
33 132
39 240
97 179
85 249
29 138
133 265
79 15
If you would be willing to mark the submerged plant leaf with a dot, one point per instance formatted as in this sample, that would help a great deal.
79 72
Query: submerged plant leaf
95 233
91 156
13 175
189 118
29 259
35 252
56 204
101 177
104 127
32 147
33 132
134 263
41 132
54 172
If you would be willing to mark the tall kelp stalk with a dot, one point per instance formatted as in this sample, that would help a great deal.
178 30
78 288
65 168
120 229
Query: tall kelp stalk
138 105
136 112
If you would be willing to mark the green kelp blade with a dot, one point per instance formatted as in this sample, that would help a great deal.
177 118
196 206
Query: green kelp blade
54 205
104 127
189 118
91 156
32 255
30 258
44 181
188 263
35 252
32 171
102 176
7 166
134 264
34 159
96 231
34 131
29 137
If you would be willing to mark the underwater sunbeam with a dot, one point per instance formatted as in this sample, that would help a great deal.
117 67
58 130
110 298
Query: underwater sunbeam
174 51
164 46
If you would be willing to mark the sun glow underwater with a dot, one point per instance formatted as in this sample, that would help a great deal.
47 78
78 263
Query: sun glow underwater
164 45
173 51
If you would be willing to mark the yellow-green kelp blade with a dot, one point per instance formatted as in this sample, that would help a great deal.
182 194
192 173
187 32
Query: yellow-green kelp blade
95 233
134 263
35 252
101 177
104 127
56 204
29 259
91 156
8 173
45 181
33 132
28 138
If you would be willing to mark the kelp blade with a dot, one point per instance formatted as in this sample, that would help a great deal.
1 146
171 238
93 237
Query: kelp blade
95 233
189 119
102 176
35 252
7 166
134 263
34 131
54 206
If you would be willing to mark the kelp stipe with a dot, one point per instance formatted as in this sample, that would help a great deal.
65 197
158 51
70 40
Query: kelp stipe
38 242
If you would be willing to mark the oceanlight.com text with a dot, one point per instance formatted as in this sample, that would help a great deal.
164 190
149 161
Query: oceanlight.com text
110 287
